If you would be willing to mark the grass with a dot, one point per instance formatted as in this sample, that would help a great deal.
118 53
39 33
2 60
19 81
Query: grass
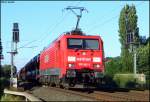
4 83
12 98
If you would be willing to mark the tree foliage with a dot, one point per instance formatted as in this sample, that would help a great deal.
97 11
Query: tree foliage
6 71
143 59
128 12
113 66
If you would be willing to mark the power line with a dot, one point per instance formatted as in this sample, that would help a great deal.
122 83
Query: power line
52 29
103 16
41 37
109 20
27 44
59 22
103 23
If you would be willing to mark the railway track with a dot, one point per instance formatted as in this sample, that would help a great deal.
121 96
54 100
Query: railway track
100 95
146 92
75 93
125 96
104 96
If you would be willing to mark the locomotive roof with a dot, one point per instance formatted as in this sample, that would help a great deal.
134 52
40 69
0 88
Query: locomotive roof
71 34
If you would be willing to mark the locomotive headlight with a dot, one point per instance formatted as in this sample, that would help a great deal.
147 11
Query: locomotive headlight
70 65
96 59
96 65
72 58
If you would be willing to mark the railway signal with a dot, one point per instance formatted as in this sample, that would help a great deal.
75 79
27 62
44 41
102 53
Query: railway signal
13 52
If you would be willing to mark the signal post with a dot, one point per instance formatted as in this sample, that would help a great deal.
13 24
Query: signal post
15 40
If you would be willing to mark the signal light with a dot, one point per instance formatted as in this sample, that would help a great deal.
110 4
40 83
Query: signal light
15 32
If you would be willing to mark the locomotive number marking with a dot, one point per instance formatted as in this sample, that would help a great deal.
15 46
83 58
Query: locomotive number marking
84 59
84 64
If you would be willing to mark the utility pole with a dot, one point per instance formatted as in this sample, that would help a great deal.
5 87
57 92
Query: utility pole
130 41
72 8
15 40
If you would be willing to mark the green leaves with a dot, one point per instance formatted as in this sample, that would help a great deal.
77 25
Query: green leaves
113 66
143 59
127 24
6 70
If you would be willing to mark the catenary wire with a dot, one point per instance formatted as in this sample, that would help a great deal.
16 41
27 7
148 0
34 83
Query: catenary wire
52 29
109 20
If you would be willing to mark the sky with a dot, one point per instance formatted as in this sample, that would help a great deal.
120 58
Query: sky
40 22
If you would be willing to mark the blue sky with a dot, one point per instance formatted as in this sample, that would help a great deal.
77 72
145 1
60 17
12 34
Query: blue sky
40 22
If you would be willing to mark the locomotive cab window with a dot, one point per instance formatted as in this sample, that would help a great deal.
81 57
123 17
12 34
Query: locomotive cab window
91 44
74 43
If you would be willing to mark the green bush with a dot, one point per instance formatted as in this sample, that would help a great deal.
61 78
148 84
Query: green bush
4 82
12 98
109 82
147 81
113 66
123 80
127 81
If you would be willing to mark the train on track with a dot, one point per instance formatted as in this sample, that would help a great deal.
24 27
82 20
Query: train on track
72 59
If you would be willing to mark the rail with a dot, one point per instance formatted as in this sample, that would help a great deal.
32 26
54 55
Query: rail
28 97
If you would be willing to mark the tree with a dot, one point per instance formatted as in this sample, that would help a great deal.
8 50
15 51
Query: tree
127 25
6 70
143 59
113 66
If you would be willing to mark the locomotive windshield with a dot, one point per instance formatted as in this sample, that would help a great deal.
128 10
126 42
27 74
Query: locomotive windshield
74 43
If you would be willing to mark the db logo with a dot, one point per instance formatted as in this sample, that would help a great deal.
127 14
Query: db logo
46 59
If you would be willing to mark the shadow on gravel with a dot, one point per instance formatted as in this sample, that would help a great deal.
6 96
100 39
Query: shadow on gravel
104 89
27 85
42 100
86 90
111 90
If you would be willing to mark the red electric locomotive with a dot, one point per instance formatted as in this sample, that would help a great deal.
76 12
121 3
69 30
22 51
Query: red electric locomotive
74 59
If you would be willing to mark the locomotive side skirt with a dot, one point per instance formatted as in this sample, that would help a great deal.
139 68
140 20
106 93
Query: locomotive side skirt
49 76
50 71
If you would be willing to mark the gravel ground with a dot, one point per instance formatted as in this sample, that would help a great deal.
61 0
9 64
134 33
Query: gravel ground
47 94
